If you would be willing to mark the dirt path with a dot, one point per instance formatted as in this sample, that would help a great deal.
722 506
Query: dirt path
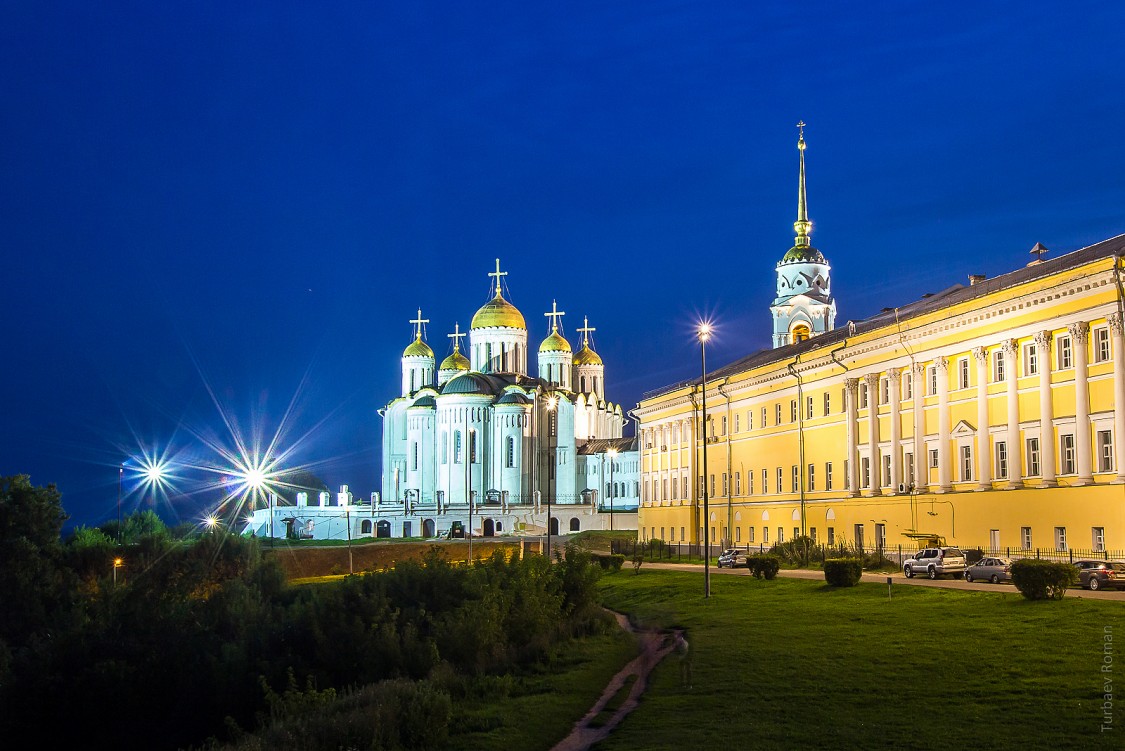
655 646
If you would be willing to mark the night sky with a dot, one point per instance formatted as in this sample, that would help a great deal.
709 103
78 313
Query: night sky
217 219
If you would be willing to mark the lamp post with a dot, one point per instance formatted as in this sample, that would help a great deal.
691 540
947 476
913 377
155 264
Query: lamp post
552 441
612 453
117 563
120 530
704 334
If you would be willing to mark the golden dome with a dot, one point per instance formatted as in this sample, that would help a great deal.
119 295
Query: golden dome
418 348
587 356
456 361
555 343
498 313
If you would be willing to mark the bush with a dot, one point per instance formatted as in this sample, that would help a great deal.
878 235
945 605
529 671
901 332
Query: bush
1043 580
612 562
763 565
843 572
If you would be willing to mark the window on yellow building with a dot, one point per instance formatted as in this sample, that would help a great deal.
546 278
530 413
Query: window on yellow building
808 407
1066 444
865 472
998 365
738 483
1001 460
765 534
828 476
777 414
847 476
793 410
831 536
886 458
1030 359
907 386
765 481
1105 451
1025 537
763 417
1097 539
933 458
725 486
736 421
780 484
1101 344
863 396
724 425
1033 457
933 380
812 477
796 478
963 373
884 390
751 531
827 403
1066 356
1060 539
966 463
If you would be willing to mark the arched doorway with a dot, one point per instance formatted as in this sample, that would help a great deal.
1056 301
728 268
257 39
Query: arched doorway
489 528
383 529
428 528
554 525
574 524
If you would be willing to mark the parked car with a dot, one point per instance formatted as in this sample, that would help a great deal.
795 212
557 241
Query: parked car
732 558
995 570
935 562
1093 574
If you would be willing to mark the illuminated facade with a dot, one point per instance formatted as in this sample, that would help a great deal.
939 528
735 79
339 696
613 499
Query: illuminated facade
992 414
479 431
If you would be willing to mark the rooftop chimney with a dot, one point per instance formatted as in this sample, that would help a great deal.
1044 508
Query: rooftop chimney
1038 252
975 279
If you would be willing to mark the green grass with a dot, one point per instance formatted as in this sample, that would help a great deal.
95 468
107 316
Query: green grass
793 663
542 706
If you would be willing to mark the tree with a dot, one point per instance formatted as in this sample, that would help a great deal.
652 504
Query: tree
36 587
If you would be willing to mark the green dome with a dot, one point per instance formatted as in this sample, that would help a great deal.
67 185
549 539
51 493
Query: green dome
418 348
498 313
802 254
456 361
555 343
468 383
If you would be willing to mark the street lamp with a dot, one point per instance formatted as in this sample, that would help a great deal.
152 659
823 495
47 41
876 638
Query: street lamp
612 488
704 334
120 536
117 563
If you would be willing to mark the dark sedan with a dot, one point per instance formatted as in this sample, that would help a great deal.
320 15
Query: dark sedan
1096 575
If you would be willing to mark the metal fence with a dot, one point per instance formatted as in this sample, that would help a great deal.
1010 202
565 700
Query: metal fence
675 552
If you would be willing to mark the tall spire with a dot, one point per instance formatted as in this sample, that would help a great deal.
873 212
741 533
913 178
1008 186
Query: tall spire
802 225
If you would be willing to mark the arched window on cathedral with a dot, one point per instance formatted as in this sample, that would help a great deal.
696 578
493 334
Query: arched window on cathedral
456 446
510 453
583 386
800 332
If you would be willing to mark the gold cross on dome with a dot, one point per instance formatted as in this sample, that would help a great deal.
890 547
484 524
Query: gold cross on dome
456 337
554 315
498 273
586 330
801 128
418 324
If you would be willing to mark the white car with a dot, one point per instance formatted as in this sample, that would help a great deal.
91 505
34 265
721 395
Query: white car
935 562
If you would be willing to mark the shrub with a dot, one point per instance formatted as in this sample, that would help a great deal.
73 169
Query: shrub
843 572
763 565
1043 580
612 562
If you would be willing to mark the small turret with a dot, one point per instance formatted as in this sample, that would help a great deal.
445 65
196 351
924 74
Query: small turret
417 360
555 355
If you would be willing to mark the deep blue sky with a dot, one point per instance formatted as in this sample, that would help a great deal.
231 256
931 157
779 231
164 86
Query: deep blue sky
249 198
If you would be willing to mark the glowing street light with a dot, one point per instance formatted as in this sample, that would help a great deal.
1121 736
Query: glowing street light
704 334
117 563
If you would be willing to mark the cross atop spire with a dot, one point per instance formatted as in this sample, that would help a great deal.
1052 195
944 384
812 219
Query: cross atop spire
498 273
585 331
456 336
802 225
418 324
554 315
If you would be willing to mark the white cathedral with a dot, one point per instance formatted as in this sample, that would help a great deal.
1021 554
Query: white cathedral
480 435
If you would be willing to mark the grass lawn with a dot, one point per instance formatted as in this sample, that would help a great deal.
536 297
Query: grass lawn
542 707
793 663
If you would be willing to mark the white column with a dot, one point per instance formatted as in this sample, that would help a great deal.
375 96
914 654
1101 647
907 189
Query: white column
1117 326
894 377
872 382
918 390
1079 335
851 391
1046 411
945 482
984 461
1012 437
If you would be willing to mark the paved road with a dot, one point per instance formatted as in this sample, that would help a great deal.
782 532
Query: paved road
898 578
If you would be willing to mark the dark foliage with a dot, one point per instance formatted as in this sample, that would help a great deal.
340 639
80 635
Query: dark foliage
1043 580
202 638
763 565
843 572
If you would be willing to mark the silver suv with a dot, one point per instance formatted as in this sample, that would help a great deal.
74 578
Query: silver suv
935 562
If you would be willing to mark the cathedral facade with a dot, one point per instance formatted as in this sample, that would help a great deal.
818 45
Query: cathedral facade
991 414
478 442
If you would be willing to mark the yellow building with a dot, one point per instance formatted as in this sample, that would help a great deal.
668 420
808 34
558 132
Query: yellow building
992 414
